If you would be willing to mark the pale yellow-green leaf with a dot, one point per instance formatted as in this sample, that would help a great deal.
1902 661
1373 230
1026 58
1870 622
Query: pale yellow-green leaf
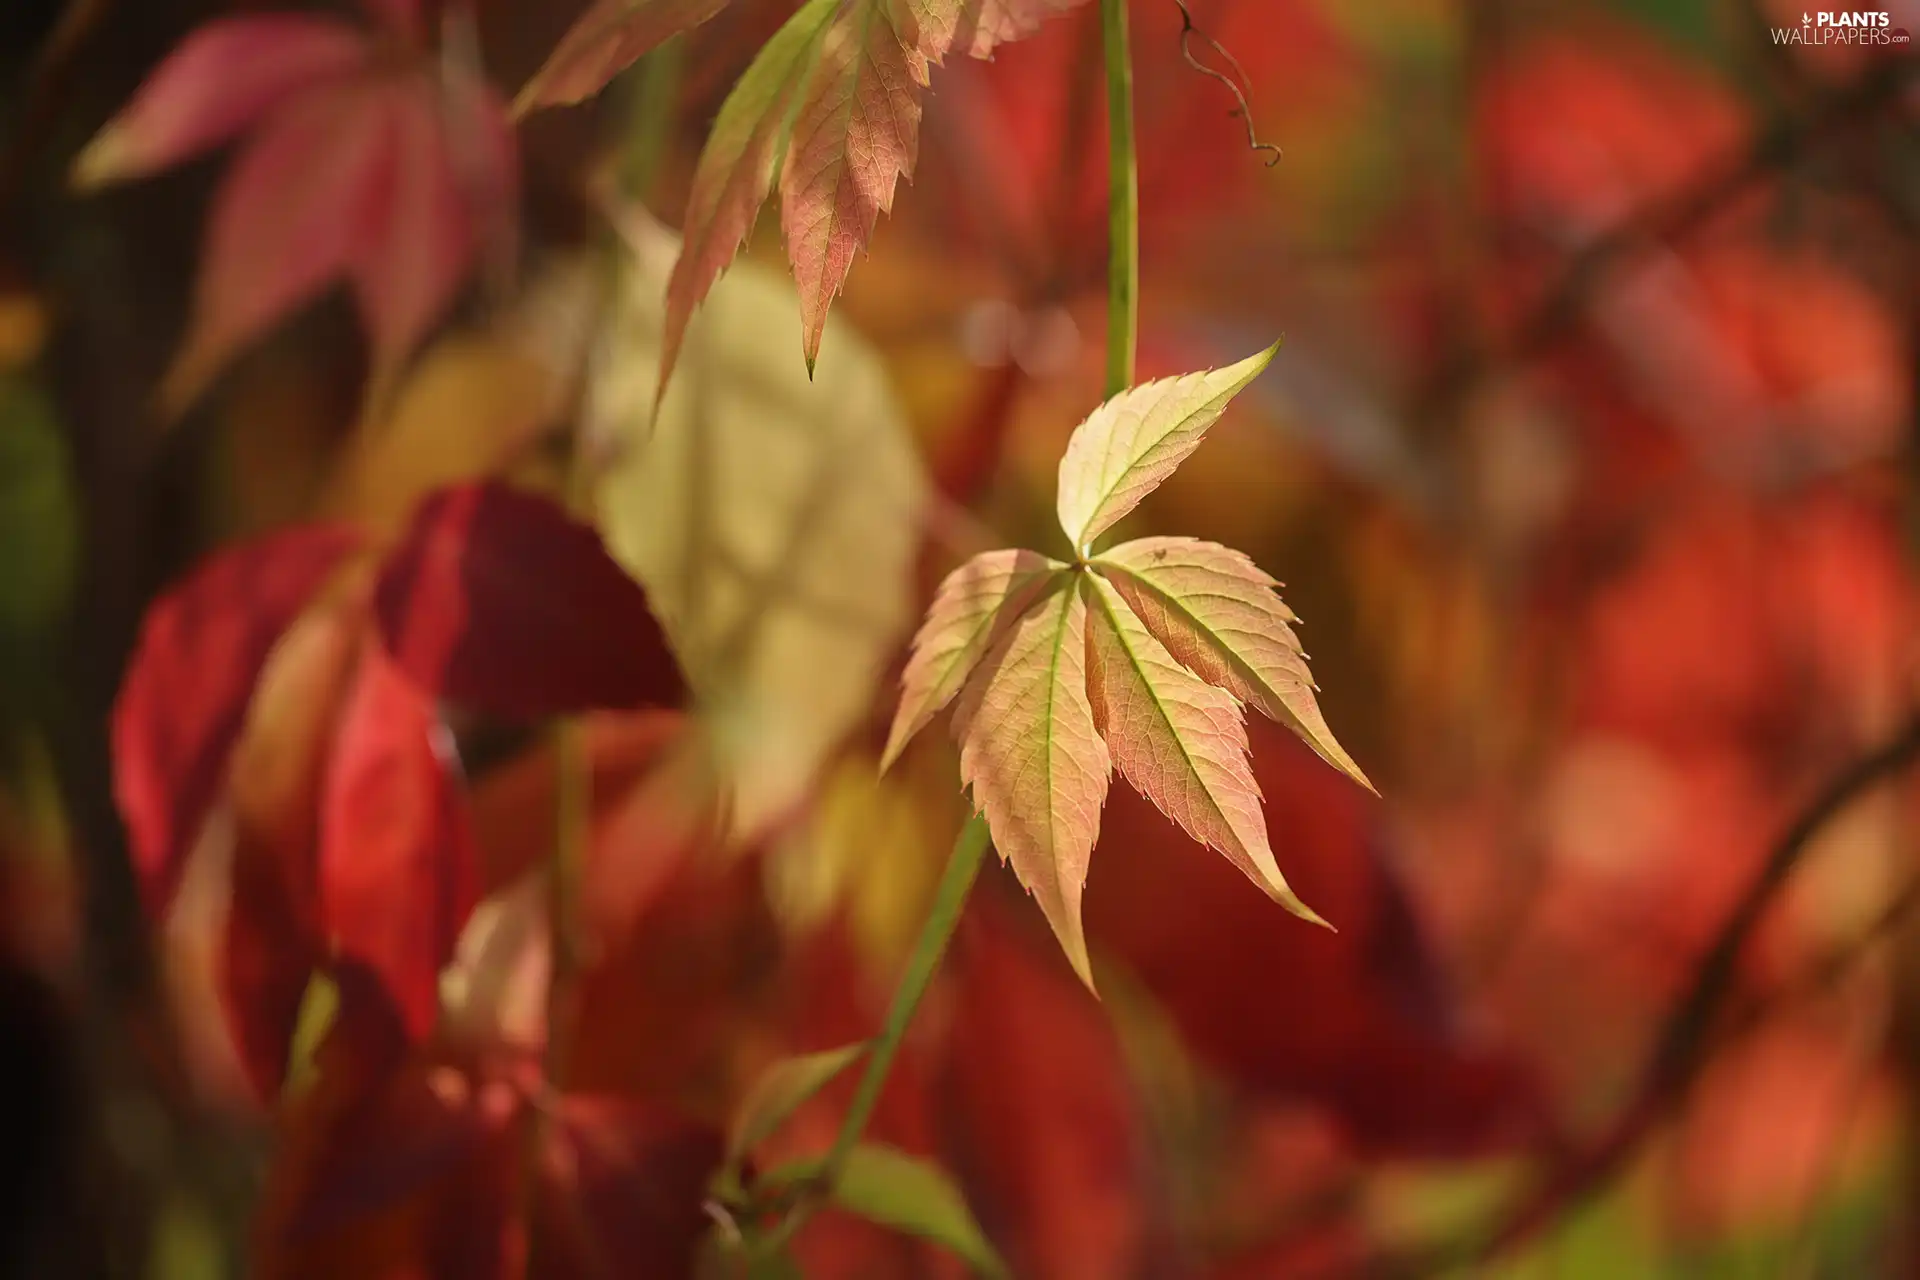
1037 767
1133 442
785 1087
774 520
973 606
1220 617
890 1187
1181 742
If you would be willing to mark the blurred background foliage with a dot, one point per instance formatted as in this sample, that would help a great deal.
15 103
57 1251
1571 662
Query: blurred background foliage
1589 461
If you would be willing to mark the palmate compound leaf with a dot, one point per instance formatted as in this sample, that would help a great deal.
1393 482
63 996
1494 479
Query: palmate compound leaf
831 106
1141 657
1134 441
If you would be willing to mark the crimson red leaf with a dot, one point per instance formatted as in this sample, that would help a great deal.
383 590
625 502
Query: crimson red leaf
1044 1125
397 864
1373 1036
187 688
623 1188
498 600
222 78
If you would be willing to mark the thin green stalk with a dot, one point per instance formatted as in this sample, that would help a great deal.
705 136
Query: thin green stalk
1123 201
949 901
963 864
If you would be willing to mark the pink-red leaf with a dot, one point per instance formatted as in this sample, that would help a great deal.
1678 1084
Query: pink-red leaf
606 40
857 133
1134 441
1181 742
737 166
222 78
289 218
973 607
1035 763
1219 615
498 600
189 683
397 864
452 179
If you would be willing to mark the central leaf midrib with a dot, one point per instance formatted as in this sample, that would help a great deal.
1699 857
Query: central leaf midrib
1154 695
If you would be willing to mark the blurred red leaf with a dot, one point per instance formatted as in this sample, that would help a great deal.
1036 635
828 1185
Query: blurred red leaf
1041 1119
498 600
218 81
402 17
1358 1021
185 696
606 40
623 1188
1577 133
397 873
272 941
386 173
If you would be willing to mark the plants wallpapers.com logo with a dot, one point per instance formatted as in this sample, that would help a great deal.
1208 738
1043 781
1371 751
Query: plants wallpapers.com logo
1844 27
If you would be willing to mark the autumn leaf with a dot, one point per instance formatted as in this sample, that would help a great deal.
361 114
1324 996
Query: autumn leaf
603 42
385 173
397 870
1038 768
857 134
1134 441
184 700
975 602
498 600
219 81
1221 617
1181 742
831 106
1142 658
737 167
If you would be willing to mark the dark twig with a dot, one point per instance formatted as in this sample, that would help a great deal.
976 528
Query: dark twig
1238 84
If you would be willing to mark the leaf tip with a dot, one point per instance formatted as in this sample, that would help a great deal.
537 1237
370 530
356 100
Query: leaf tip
102 162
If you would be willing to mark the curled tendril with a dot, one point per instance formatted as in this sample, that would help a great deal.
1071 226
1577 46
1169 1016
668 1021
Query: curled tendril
1238 84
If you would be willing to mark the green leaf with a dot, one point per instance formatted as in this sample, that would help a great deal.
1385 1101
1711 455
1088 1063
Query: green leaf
39 522
786 1087
1134 441
890 1187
